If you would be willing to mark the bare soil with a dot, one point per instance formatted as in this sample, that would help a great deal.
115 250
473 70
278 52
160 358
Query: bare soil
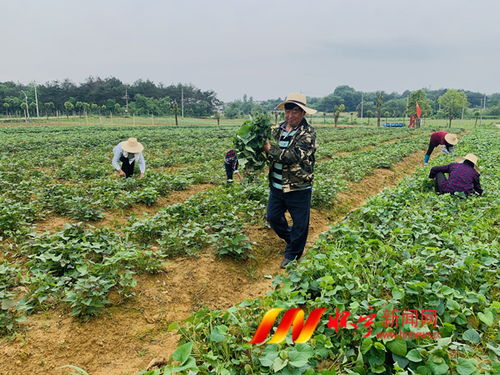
125 337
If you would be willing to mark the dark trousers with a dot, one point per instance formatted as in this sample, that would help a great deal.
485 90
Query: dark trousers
229 171
430 148
298 204
438 182
127 168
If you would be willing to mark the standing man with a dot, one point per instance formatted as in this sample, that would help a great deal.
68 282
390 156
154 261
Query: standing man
231 165
127 153
445 139
291 175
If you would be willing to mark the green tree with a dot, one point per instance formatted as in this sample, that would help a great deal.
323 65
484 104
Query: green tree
68 107
336 113
49 108
423 102
378 104
452 103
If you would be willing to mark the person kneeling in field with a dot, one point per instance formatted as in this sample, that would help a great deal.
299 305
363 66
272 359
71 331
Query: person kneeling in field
463 177
445 139
127 153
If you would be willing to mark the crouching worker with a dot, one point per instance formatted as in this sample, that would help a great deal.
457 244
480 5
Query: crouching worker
444 139
463 177
231 165
127 152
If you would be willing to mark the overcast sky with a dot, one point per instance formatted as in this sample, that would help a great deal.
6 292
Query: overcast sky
264 49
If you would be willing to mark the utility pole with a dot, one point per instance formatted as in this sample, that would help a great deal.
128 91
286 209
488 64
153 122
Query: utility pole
126 97
36 103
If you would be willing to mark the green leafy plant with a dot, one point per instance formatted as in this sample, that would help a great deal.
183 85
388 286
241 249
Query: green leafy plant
250 140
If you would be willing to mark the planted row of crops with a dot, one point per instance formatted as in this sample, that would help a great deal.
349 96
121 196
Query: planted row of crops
406 249
65 267
66 171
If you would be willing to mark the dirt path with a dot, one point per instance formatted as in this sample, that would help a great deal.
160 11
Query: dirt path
128 335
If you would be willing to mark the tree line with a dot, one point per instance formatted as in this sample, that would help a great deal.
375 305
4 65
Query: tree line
111 96
442 103
105 96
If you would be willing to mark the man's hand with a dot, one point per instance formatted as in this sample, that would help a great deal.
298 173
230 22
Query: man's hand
267 146
121 173
142 175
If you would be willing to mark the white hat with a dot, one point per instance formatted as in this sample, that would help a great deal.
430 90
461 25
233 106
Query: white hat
472 158
452 139
298 99
131 145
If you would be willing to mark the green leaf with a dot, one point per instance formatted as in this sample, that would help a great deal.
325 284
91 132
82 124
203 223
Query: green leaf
424 370
438 368
279 363
299 358
466 366
379 345
173 326
366 344
472 336
378 369
401 361
414 355
487 317
218 334
398 347
398 294
453 305
182 353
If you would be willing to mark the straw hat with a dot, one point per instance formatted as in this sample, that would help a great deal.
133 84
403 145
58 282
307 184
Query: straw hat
472 158
131 145
300 100
452 139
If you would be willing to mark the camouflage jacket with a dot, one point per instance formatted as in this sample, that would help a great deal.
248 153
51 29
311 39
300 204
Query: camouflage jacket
297 159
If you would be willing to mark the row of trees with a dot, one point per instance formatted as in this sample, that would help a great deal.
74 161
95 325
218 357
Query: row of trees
98 95
376 104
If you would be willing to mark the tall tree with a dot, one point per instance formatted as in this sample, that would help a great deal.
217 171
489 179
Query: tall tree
336 113
378 104
452 103
423 102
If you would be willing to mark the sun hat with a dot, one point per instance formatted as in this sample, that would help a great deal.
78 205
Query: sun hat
472 158
452 139
131 145
298 99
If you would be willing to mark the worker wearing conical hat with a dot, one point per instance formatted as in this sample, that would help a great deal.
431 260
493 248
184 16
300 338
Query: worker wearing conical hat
443 139
463 176
128 152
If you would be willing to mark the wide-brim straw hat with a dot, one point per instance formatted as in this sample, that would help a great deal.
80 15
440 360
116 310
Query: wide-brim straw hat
298 99
472 158
452 139
131 145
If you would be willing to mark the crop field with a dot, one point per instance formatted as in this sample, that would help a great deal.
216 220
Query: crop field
101 272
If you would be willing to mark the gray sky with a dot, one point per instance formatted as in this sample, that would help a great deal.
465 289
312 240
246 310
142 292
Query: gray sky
264 49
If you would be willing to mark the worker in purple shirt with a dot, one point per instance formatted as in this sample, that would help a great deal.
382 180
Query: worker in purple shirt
463 177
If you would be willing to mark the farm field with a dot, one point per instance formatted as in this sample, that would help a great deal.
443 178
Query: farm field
97 271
